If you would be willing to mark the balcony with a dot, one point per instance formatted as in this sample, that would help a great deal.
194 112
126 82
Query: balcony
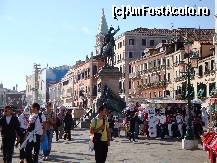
180 78
152 85
135 75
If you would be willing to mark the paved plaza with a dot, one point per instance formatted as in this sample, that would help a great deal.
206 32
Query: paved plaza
122 151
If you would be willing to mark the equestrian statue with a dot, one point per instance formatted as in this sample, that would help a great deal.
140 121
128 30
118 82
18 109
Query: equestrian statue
107 49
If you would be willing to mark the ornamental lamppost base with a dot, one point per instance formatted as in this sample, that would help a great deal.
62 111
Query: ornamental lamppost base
189 144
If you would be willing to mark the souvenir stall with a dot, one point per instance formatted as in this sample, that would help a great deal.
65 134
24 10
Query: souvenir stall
160 112
209 139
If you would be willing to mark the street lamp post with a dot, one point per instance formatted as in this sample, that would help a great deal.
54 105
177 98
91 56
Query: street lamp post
189 142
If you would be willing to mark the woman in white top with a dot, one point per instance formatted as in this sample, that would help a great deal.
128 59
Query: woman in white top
24 123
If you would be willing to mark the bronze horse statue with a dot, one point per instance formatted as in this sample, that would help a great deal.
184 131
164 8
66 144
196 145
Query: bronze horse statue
107 49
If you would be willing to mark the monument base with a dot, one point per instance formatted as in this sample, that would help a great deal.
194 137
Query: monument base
189 144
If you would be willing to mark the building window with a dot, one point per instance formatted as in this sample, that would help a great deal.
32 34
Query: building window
137 83
212 64
176 59
154 63
130 54
168 76
120 44
159 94
121 69
158 63
131 42
143 54
143 42
94 70
200 70
65 82
129 84
168 63
206 66
94 93
129 68
163 41
155 94
151 42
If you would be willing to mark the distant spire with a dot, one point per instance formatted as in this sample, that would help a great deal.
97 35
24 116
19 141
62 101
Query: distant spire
103 27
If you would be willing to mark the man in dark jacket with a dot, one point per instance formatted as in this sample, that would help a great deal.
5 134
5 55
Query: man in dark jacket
68 121
10 128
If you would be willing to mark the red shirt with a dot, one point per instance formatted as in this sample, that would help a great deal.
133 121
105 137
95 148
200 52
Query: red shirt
168 120
145 116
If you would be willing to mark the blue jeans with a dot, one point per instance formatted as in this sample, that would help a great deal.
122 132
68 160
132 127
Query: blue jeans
50 136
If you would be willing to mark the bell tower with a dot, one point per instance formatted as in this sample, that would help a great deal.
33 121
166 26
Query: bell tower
102 30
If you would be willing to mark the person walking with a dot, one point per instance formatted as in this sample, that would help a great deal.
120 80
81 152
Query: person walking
133 121
10 128
111 125
61 116
50 123
99 127
68 122
24 123
36 133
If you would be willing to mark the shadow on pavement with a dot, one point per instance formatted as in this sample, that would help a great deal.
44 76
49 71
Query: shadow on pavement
57 158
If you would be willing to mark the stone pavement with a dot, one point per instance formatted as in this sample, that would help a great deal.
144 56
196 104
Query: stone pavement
122 151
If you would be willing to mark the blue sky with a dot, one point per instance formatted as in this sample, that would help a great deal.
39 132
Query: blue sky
60 32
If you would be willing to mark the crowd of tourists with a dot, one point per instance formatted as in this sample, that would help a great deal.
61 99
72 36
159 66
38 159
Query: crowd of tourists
33 130
163 122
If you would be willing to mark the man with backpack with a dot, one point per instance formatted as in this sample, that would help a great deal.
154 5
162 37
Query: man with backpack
36 131
99 127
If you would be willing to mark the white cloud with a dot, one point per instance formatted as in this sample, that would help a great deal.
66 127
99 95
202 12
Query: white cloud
86 30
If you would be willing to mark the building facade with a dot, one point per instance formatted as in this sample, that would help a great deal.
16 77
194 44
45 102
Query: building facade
147 77
203 77
37 84
131 46
12 97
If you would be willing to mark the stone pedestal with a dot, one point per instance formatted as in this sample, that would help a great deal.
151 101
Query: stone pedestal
109 76
189 144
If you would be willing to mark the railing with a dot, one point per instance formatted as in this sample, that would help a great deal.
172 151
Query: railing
152 85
